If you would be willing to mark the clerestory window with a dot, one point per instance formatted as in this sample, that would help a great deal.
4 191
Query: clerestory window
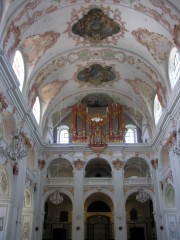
18 67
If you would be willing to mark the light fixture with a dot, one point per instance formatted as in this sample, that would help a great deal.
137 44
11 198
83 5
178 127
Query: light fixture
142 196
56 198
17 149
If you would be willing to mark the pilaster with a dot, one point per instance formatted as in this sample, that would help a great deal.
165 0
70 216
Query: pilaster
78 204
120 228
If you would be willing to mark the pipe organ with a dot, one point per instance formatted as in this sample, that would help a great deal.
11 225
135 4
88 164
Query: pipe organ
97 126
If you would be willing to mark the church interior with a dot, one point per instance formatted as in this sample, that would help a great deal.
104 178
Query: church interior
89 120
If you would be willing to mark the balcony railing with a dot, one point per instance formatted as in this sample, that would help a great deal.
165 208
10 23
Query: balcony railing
98 181
136 181
59 181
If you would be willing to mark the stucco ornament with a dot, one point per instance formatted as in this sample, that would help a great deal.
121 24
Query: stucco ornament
177 35
78 164
154 163
118 164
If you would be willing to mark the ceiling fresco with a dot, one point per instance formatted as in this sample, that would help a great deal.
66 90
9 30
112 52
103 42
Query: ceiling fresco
96 74
97 100
95 52
95 26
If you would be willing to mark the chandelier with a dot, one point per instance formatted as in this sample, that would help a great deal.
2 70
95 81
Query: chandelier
17 149
56 198
142 196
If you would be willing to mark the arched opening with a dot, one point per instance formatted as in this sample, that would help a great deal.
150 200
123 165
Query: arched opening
58 217
98 168
140 219
136 168
60 168
99 217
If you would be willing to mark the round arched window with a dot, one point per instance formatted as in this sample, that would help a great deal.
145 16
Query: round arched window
63 134
18 67
131 134
157 109
36 109
174 66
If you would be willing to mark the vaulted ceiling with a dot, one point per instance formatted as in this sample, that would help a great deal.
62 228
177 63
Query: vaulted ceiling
110 50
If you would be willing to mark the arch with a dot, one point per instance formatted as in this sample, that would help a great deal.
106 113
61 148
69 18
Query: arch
102 196
93 191
136 167
106 158
140 155
53 157
60 167
62 190
98 167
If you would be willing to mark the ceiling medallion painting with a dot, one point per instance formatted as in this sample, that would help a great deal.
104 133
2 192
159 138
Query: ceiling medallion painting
96 74
97 100
95 26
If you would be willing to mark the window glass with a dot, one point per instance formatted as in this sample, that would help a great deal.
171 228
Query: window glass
18 67
157 109
131 134
63 134
36 109
174 66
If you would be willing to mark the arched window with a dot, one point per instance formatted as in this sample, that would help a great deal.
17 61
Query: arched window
63 134
36 109
157 109
18 67
131 134
174 66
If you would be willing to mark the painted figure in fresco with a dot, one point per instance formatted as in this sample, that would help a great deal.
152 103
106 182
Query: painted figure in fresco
95 25
96 74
